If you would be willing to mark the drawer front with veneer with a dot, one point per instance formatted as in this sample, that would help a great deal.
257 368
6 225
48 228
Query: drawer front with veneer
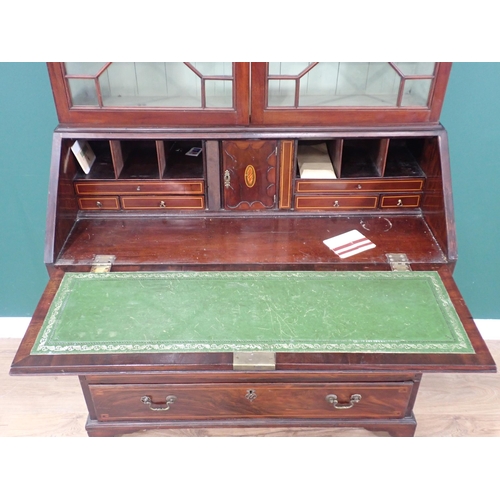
101 203
238 400
163 202
134 187
401 201
341 202
386 185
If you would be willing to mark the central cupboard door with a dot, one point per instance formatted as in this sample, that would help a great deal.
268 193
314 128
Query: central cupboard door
249 174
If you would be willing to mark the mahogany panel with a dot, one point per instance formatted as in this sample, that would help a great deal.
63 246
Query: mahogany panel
437 199
62 206
258 242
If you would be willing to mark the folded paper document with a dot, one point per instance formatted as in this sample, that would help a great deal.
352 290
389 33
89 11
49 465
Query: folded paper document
350 243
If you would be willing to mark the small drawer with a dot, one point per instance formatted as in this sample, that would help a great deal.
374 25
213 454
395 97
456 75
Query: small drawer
163 202
101 203
335 202
137 187
251 401
339 185
401 201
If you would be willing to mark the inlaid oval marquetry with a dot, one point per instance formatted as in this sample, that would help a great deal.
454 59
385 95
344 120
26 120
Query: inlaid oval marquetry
250 176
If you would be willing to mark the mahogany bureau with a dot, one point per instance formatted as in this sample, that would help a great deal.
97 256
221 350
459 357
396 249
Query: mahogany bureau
190 283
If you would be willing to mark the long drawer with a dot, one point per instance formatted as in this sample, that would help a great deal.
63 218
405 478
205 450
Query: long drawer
134 402
163 202
139 188
337 202
310 186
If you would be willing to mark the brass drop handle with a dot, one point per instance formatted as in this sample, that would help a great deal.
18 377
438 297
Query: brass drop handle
359 186
169 400
399 203
336 203
332 399
99 204
162 204
227 179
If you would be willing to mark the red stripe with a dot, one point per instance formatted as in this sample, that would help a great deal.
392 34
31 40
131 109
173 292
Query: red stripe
347 250
350 244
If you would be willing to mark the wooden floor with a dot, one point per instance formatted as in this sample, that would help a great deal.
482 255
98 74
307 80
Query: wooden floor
447 405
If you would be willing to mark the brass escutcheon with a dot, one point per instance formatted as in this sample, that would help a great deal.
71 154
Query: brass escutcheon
251 394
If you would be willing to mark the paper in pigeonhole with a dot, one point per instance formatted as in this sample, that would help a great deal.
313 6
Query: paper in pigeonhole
84 155
350 243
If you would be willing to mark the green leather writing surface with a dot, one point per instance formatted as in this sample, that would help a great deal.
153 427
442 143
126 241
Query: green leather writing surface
407 312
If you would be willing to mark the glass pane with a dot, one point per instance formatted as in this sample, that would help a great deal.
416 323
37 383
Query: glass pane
214 68
219 94
83 68
281 93
356 84
416 68
287 68
83 92
416 93
150 84
350 84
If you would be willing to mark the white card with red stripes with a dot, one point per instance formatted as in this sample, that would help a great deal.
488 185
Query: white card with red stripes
350 243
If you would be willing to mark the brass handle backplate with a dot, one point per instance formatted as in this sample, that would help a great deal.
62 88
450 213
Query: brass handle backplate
332 399
169 400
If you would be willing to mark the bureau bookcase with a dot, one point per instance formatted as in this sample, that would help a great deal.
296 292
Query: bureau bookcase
190 285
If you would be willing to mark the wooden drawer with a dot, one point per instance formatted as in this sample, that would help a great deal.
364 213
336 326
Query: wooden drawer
99 203
400 201
163 202
140 188
335 202
386 185
254 401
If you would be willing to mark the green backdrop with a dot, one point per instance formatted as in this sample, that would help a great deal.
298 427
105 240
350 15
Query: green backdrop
471 115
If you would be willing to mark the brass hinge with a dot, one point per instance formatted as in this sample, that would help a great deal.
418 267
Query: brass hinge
102 263
255 360
398 262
